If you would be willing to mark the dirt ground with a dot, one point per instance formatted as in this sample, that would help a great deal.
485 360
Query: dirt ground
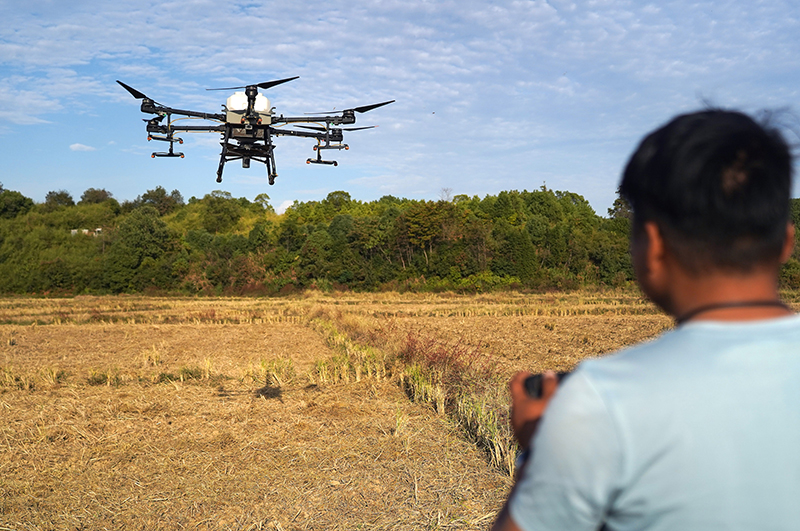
539 343
137 413
94 438
129 349
193 456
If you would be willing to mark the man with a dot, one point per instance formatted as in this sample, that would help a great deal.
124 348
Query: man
700 428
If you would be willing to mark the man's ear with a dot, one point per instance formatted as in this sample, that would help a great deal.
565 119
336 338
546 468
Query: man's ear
788 243
655 253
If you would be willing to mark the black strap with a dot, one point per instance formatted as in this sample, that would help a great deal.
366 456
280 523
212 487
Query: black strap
734 304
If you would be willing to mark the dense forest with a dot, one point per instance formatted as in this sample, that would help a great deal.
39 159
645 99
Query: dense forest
160 244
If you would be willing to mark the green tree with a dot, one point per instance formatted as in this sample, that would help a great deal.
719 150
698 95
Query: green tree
57 199
337 201
13 204
261 235
263 201
315 255
221 212
94 195
620 209
142 235
159 199
510 207
516 256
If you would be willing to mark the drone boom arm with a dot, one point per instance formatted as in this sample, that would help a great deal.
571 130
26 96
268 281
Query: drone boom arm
149 106
346 118
333 135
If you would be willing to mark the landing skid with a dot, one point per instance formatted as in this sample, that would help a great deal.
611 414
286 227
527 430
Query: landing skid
320 161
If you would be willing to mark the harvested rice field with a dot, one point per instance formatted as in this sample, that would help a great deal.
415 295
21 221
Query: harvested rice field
290 413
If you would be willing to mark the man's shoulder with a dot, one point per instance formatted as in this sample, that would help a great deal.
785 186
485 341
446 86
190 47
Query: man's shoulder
685 341
697 354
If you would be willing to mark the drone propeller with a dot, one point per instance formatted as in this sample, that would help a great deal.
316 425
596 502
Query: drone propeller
265 85
314 128
366 108
135 93
363 108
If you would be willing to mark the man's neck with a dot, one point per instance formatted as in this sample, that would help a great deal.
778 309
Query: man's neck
723 296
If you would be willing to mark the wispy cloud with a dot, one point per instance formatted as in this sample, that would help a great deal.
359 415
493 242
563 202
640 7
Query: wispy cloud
508 81
81 147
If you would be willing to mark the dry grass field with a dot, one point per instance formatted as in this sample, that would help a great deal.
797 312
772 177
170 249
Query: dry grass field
291 413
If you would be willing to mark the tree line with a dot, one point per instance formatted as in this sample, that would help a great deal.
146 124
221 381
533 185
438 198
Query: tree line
218 244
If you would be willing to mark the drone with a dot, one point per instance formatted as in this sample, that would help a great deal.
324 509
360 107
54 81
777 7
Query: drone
248 125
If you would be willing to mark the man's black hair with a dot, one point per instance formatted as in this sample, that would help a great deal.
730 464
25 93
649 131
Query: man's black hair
718 186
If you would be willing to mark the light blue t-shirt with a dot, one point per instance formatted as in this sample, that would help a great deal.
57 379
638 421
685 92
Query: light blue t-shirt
696 430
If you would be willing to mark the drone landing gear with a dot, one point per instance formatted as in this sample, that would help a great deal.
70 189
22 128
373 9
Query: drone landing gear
270 163
318 160
327 145
169 153
246 149
171 141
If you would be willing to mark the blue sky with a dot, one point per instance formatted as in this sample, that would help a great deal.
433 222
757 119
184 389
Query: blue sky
490 96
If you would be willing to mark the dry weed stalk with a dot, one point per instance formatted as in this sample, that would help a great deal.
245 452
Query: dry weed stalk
273 372
23 382
151 357
460 382
353 360
454 379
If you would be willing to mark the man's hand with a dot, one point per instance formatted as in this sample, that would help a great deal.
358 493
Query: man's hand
526 410
525 414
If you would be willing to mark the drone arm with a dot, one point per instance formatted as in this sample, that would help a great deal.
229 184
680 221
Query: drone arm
198 128
347 117
151 107
333 136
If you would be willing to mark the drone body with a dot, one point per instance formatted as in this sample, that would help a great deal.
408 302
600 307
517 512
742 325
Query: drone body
248 127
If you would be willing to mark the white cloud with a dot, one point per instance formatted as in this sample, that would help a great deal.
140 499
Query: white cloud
283 206
507 79
81 147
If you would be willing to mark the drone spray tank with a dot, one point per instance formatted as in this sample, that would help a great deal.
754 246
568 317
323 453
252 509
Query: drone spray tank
246 136
236 106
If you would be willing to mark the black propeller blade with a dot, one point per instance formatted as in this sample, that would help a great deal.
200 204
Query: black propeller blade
135 93
265 85
314 128
364 108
